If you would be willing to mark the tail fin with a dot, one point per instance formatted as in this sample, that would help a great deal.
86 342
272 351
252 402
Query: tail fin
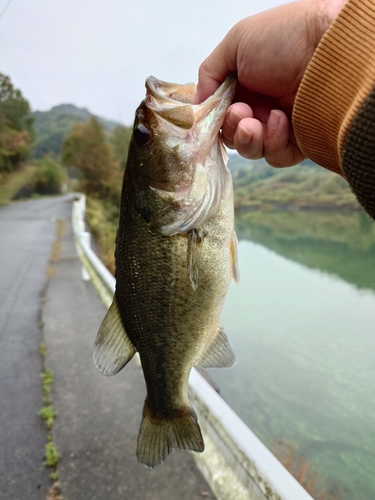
158 437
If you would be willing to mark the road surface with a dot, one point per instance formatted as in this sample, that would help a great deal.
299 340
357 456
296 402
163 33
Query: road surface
97 417
27 230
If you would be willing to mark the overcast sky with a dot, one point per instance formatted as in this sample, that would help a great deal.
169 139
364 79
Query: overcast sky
97 54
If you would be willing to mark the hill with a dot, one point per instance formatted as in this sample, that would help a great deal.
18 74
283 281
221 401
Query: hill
305 186
52 126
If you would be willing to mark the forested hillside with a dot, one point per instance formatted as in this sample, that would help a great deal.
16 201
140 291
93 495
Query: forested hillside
52 126
304 186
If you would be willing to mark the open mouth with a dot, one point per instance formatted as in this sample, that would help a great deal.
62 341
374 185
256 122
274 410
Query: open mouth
173 102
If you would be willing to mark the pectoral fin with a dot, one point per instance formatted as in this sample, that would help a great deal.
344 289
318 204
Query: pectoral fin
195 244
219 353
234 258
112 348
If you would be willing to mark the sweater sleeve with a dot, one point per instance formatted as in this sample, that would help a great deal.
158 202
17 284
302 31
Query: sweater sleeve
338 84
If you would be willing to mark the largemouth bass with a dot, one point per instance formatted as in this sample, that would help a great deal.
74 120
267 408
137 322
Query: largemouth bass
176 252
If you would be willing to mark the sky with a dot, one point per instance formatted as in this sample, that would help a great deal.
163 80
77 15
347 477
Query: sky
97 54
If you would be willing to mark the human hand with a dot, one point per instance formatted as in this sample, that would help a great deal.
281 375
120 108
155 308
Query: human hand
270 53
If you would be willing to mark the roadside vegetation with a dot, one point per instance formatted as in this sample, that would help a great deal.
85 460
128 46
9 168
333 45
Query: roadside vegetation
102 218
16 138
16 127
20 176
100 160
12 183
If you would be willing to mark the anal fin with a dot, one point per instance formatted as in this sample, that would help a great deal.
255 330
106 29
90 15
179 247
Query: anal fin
112 348
219 353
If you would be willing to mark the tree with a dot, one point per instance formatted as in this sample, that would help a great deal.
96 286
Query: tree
85 147
16 126
48 176
119 141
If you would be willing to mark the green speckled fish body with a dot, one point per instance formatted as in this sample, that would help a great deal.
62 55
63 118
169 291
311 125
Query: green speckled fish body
175 257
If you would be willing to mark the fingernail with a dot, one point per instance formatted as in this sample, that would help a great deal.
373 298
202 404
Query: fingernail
273 120
244 136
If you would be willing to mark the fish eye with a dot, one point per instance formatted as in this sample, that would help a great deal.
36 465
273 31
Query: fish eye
141 135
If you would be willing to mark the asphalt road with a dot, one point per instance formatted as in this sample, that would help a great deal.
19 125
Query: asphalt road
98 418
27 230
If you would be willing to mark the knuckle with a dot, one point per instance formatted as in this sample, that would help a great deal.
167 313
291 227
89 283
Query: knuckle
202 69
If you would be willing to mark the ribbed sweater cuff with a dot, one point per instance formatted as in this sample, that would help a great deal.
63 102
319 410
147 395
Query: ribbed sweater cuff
337 80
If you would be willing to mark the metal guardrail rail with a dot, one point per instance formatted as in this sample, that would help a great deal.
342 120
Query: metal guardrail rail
235 463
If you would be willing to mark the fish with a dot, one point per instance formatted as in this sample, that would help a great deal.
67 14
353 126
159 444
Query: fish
175 256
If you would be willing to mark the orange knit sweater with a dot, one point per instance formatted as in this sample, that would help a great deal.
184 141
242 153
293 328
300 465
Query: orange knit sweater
339 78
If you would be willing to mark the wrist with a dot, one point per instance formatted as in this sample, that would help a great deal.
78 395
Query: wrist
331 9
320 15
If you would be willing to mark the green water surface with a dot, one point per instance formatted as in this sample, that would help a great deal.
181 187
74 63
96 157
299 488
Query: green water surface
302 324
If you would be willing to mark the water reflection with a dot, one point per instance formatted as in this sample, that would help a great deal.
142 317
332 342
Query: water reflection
338 243
305 344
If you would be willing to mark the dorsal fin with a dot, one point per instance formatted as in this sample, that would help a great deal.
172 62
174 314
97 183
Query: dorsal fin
219 353
112 348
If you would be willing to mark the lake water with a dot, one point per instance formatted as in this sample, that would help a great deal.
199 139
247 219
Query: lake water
302 324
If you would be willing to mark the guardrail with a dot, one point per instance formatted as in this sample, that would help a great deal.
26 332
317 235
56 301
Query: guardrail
235 463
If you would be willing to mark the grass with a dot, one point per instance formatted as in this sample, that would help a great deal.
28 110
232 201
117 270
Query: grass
42 349
102 219
47 377
47 413
51 455
54 476
11 183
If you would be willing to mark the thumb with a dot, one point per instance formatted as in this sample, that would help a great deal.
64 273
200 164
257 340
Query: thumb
207 82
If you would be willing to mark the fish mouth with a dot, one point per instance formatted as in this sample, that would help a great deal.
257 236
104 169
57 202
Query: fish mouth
173 103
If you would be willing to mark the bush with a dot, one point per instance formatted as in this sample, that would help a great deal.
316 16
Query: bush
48 177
